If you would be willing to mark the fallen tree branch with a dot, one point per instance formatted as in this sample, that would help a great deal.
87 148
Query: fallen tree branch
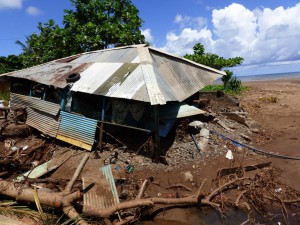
239 197
142 189
214 192
179 186
76 174
227 171
200 188
126 220
285 201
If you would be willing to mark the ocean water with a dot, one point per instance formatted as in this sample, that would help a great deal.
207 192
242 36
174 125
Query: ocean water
264 77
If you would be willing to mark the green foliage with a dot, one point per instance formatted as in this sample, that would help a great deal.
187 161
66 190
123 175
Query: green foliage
97 24
213 88
10 63
49 44
234 84
230 82
212 60
226 90
92 25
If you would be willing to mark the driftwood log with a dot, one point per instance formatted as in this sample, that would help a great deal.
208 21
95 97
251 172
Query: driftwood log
64 200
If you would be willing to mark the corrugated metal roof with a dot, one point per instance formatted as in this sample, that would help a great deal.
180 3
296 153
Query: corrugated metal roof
76 129
135 72
104 194
41 114
52 73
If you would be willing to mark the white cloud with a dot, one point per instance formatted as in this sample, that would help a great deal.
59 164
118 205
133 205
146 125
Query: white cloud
148 36
187 21
33 11
10 4
184 42
259 36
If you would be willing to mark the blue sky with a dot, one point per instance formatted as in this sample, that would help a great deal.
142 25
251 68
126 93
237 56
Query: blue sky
265 33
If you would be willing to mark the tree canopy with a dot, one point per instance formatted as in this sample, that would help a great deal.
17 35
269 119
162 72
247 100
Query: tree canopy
212 60
10 63
91 25
230 82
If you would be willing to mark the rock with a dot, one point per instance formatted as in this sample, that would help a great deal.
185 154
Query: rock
247 138
197 125
222 124
239 150
188 176
236 116
204 138
252 125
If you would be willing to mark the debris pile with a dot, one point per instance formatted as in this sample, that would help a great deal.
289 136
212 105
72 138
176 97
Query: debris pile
121 186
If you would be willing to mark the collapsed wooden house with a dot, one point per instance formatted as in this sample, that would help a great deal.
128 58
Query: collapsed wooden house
138 87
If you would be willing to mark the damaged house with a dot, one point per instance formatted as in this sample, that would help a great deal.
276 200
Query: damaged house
75 99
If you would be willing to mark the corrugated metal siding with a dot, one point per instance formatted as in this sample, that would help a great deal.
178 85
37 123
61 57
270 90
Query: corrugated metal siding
41 114
77 127
43 122
104 194
35 103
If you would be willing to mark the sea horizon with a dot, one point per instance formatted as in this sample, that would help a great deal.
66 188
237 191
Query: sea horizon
265 77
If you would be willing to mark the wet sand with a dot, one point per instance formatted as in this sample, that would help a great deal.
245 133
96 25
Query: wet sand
280 120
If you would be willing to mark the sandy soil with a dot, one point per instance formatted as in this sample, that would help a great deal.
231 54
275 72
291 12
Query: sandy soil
280 120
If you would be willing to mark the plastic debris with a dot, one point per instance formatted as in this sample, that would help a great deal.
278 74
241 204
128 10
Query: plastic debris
229 155
14 148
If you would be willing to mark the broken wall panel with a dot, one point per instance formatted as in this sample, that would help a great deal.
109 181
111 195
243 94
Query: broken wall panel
43 122
104 194
34 103
77 130
41 115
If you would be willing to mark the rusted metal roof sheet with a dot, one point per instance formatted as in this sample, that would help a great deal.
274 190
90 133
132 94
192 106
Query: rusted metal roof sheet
104 194
77 130
41 115
52 73
136 72
35 103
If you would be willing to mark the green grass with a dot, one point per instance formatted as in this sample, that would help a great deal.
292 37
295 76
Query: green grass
226 90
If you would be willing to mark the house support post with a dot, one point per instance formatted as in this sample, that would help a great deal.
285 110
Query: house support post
102 125
45 93
30 90
63 99
156 138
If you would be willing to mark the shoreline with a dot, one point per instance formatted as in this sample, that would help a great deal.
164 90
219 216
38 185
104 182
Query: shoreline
275 80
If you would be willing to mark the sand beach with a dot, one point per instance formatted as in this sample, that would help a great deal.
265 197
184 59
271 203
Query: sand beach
275 105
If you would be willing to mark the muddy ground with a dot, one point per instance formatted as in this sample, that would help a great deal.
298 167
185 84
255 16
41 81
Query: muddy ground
274 105
280 120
